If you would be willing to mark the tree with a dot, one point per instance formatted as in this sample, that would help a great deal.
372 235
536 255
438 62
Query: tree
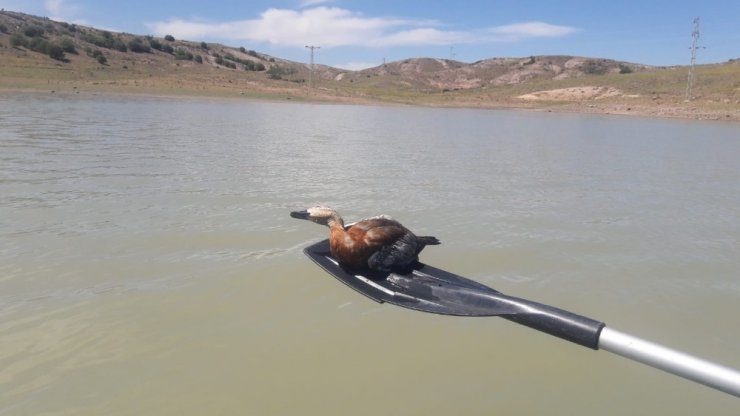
169 38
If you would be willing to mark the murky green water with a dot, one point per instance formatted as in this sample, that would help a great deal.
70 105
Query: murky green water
148 264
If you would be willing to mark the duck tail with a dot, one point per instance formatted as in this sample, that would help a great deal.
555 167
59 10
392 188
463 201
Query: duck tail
429 240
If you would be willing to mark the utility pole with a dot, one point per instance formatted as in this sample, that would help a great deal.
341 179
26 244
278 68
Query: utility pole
310 72
694 47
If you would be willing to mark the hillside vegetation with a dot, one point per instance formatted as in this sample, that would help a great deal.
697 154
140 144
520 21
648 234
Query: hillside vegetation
41 54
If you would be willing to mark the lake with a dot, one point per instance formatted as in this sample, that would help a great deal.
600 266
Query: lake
148 264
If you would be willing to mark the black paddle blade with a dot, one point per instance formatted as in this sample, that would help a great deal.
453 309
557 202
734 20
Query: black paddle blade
425 288
429 289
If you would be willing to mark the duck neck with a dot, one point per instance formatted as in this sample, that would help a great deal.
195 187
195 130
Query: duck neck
336 224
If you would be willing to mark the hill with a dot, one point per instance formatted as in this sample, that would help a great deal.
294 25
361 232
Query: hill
41 54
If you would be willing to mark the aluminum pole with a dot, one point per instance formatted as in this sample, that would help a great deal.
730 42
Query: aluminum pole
681 364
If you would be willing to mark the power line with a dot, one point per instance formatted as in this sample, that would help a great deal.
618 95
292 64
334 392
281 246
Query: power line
694 47
310 72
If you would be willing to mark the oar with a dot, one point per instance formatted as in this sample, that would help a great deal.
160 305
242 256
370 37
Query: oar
429 289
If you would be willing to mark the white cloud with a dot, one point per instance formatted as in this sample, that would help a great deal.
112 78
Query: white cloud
357 66
61 10
421 36
53 6
335 27
518 31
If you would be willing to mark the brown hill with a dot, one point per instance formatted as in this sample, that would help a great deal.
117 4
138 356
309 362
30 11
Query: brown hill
41 54
444 74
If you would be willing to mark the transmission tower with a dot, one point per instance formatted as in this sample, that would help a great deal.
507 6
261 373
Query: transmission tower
310 71
694 47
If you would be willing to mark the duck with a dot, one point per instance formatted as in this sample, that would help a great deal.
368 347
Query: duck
377 243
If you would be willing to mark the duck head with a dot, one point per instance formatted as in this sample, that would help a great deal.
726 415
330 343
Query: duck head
319 214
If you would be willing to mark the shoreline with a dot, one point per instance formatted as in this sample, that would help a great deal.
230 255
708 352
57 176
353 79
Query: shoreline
695 112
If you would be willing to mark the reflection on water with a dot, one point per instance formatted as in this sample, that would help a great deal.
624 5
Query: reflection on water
148 264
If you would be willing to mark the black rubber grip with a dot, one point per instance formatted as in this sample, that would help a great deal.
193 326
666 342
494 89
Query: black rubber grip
558 322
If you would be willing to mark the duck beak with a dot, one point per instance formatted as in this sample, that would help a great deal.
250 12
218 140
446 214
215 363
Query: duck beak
301 215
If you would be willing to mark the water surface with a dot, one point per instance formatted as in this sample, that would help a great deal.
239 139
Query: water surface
148 264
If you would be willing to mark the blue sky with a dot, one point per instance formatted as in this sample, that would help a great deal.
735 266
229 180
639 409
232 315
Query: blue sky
363 33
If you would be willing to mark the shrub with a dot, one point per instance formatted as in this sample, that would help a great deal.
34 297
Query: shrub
68 46
38 45
98 55
198 59
106 41
55 52
18 40
624 69
168 49
595 68
253 66
137 45
204 46
119 45
252 53
242 49
169 38
33 31
275 72
3 28
223 62
182 54
155 44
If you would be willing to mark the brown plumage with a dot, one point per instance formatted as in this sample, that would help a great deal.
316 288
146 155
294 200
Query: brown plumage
377 243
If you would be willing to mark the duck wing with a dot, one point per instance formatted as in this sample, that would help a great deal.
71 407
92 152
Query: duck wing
401 254
384 244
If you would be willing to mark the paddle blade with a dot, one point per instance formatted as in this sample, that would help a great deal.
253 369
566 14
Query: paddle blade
425 288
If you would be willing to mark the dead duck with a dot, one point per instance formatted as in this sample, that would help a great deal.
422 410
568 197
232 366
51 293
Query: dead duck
376 243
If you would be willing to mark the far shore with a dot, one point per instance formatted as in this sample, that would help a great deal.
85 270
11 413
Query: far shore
687 111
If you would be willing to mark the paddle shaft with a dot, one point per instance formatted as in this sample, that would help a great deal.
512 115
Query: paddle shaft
681 364
596 335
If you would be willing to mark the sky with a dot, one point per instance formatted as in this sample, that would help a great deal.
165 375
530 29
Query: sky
357 34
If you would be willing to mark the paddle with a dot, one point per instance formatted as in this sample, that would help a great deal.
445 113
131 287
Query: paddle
433 290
